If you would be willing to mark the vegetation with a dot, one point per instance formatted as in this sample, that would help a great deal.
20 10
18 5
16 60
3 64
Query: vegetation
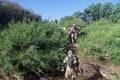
118 78
12 11
67 21
102 39
32 44
99 11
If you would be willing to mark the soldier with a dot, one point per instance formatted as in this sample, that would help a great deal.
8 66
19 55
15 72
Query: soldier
73 32
71 62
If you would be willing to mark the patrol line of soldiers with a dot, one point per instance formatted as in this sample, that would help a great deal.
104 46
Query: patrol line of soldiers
71 63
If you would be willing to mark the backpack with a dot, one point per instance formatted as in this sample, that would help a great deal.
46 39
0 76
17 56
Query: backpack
70 61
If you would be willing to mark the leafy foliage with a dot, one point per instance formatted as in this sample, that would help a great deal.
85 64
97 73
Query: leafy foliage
12 11
115 13
96 12
33 46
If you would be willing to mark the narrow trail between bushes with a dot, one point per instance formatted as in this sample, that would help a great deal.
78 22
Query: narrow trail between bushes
91 69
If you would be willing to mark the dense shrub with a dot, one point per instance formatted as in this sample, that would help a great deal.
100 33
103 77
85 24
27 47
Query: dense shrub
32 46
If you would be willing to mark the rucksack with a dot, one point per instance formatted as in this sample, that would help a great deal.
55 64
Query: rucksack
70 61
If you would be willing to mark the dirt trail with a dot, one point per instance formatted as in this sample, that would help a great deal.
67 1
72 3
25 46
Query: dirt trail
91 69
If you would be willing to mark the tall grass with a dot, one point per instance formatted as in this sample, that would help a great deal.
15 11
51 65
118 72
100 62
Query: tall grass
102 39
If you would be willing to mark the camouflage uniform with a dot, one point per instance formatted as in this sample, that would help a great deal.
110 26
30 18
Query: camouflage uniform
70 72
73 32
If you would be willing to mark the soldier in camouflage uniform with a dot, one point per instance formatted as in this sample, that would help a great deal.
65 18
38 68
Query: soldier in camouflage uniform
71 62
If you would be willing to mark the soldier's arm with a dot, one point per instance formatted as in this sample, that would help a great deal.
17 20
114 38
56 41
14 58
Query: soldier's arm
75 61
78 28
68 29
64 64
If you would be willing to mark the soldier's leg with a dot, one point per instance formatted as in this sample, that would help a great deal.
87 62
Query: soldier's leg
72 38
73 74
67 73
76 70
75 35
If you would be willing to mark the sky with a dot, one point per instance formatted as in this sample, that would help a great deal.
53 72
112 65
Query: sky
56 9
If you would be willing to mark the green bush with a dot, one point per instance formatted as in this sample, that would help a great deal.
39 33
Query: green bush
32 46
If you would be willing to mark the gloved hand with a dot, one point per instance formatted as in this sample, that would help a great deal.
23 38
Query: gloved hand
62 70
